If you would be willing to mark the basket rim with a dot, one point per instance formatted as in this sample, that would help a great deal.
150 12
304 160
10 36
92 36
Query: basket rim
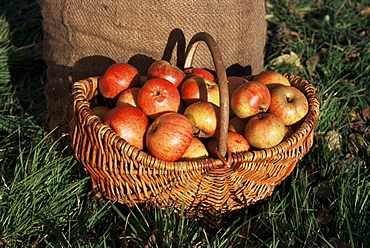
83 91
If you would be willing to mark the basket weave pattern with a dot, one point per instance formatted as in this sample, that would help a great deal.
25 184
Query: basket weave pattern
205 187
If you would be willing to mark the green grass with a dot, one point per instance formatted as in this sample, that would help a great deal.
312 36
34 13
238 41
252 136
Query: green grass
46 198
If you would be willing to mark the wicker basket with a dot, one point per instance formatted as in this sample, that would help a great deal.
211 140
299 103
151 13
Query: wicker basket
207 188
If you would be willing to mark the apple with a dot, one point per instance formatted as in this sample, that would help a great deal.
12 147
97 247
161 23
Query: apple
237 125
100 111
203 116
271 79
235 143
128 96
264 130
196 89
196 150
117 78
129 122
289 104
233 82
169 136
158 96
164 69
250 99
200 72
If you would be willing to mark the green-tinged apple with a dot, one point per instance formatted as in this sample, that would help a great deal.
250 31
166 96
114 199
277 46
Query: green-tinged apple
100 111
289 104
164 69
271 79
195 151
128 96
129 123
237 125
250 99
169 136
233 82
196 89
235 143
264 130
203 116
158 96
200 72
117 78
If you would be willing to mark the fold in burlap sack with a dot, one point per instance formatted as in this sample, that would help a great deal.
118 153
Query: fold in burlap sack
82 38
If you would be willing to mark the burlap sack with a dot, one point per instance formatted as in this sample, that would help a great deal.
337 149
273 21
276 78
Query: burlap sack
82 38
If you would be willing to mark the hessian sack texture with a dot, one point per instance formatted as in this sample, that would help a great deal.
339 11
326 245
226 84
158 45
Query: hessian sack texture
83 38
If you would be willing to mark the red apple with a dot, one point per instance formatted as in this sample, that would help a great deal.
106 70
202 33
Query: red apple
235 143
271 79
117 78
158 96
233 82
200 72
169 136
129 122
250 99
100 111
264 130
289 104
128 96
196 89
163 69
203 116
196 150
237 125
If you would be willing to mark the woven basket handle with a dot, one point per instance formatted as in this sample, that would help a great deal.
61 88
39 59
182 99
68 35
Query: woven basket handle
222 82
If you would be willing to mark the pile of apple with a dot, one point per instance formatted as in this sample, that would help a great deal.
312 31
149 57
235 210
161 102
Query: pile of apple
173 114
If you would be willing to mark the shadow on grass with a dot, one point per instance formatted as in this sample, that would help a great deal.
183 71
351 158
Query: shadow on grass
24 54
